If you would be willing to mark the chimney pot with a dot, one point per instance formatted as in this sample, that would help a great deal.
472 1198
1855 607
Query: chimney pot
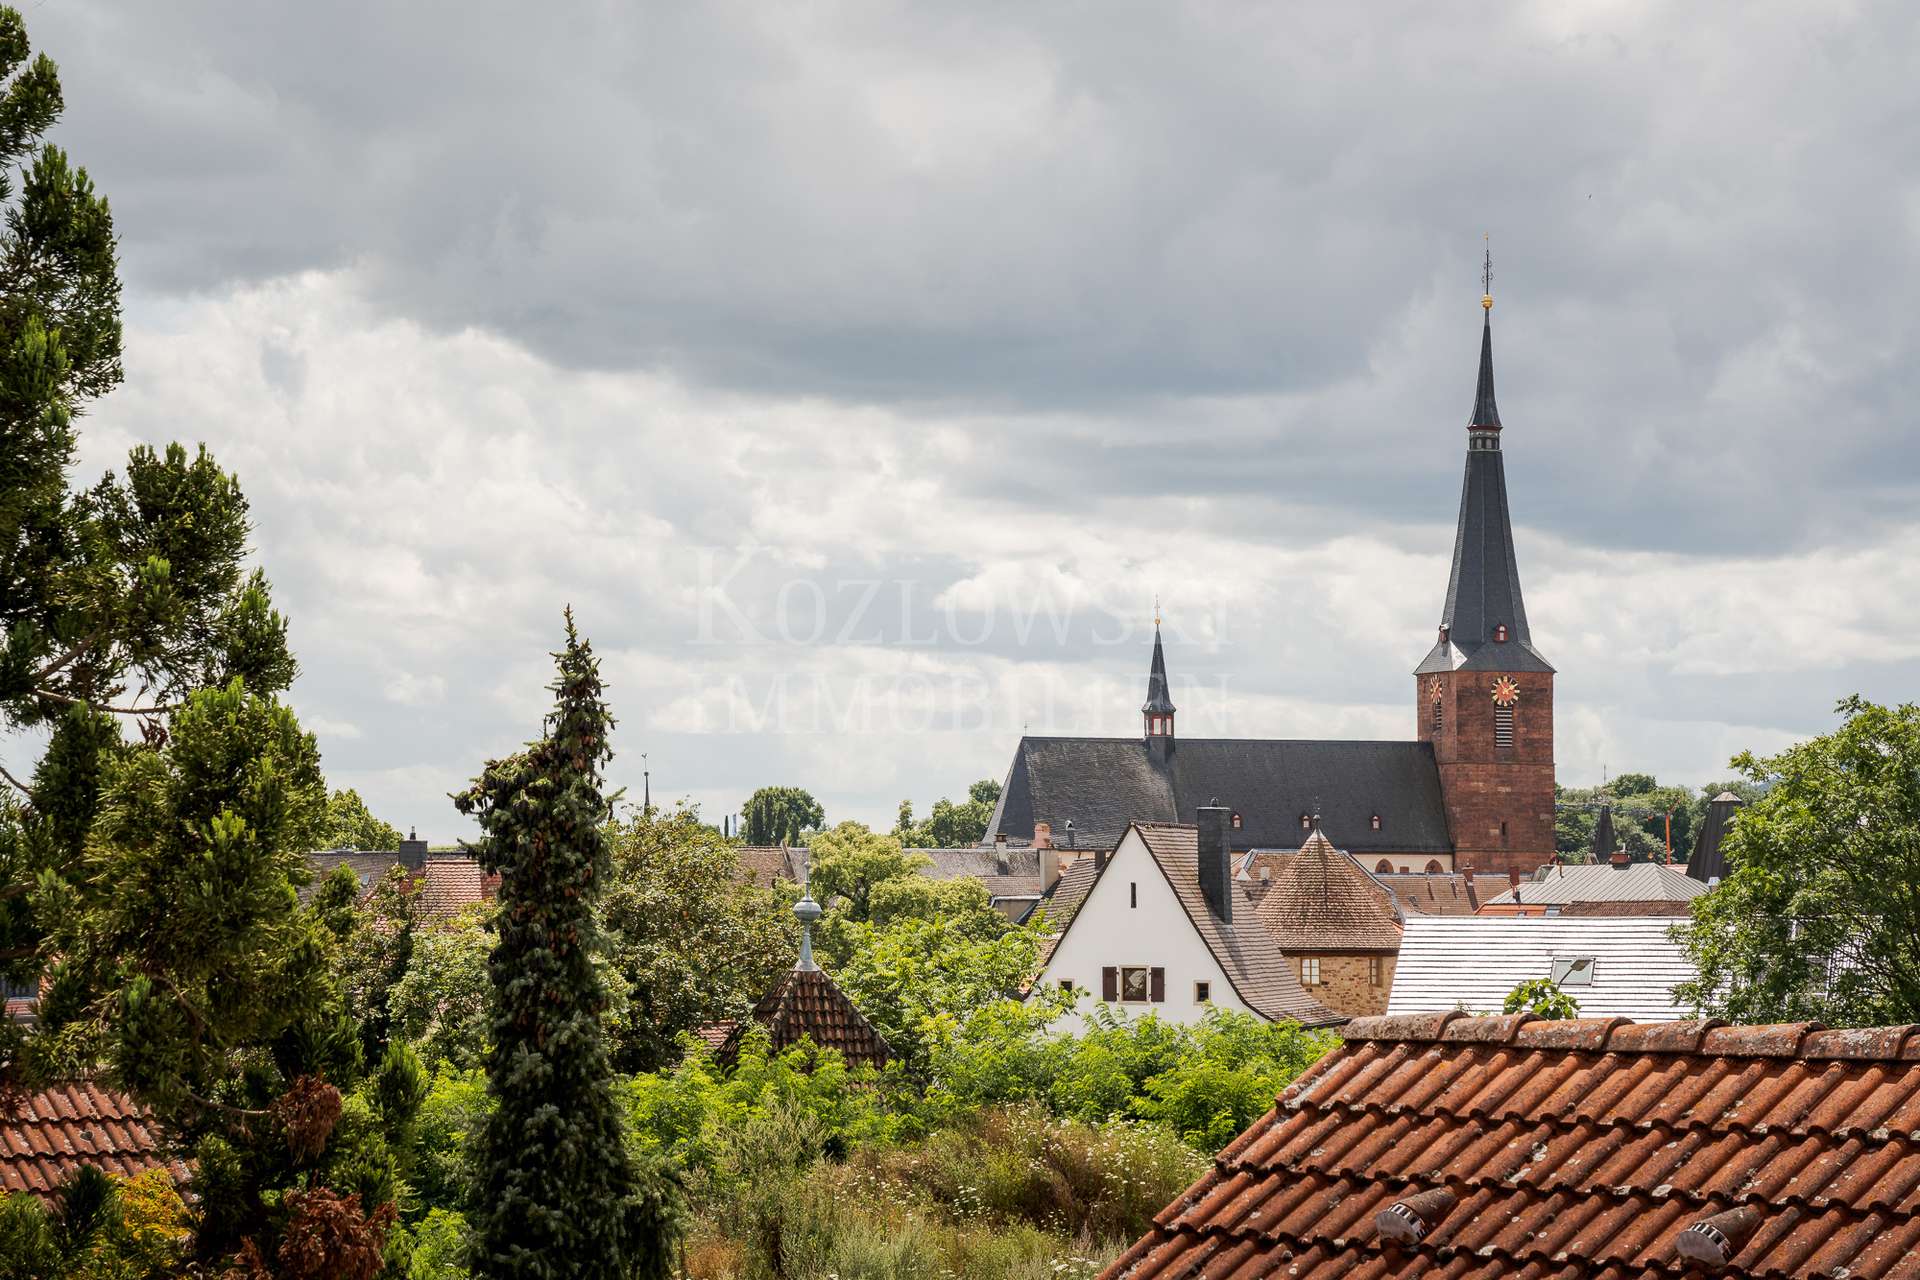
1000 838
1408 1221
1621 859
1043 835
1715 1240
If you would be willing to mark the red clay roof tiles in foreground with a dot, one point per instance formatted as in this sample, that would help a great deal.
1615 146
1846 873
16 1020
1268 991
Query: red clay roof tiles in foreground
1569 1149
46 1135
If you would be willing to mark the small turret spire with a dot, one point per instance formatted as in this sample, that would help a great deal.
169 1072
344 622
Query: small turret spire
1157 712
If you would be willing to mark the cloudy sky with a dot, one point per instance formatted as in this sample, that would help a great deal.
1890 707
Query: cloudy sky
861 372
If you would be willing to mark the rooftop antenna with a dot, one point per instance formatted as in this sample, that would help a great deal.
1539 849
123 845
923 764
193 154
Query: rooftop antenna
807 911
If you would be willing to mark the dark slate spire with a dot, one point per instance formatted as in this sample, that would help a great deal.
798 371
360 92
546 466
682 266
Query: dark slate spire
1485 412
1709 860
1158 702
1483 625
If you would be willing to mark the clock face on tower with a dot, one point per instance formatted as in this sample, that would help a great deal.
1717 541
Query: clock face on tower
1505 691
1435 688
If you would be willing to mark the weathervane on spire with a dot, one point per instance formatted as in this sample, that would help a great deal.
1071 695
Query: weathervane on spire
1156 611
1486 275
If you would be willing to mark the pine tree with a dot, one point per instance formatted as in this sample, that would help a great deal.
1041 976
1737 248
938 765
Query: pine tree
557 1194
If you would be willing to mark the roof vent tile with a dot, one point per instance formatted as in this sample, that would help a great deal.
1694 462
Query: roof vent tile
1410 1220
1714 1241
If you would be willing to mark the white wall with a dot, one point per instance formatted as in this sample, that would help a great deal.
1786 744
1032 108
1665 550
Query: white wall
1157 933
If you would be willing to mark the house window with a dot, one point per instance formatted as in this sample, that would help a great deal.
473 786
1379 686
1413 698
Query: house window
1503 726
1383 867
1572 971
1202 992
1375 969
1133 893
1136 984
1500 634
1310 971
1376 822
1066 984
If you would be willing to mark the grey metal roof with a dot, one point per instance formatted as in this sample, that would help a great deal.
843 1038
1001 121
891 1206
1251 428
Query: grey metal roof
1472 962
1017 876
1103 784
1637 882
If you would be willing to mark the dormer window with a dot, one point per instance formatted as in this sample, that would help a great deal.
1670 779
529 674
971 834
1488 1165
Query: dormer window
1306 822
1376 822
1500 634
1236 820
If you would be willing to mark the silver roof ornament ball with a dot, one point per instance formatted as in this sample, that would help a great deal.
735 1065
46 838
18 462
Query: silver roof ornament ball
807 911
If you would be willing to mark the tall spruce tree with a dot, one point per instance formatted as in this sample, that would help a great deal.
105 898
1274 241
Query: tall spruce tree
557 1193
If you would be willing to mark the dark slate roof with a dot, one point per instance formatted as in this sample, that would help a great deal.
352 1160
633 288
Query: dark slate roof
1483 589
807 1004
1709 861
45 1136
1246 952
1013 873
1157 698
1604 841
1324 901
1103 784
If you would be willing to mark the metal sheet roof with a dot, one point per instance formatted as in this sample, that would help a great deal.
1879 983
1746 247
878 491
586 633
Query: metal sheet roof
1472 962
1638 882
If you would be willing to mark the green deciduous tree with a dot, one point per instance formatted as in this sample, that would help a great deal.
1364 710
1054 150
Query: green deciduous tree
689 940
950 825
780 815
557 1192
1820 916
351 825
845 864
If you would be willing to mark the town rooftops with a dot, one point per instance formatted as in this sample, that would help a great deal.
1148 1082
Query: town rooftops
1614 967
1102 784
1322 900
45 1136
1636 882
1069 891
768 864
1445 1145
1442 893
1245 951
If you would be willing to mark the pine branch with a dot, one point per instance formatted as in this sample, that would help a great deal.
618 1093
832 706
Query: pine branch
66 700
25 790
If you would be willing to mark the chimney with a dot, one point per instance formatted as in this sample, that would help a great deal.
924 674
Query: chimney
1408 1221
1002 861
1715 1240
1621 859
1043 835
1216 863
413 852
1049 869
1070 837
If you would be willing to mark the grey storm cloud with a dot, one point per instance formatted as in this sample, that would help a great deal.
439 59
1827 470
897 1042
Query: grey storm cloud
1122 296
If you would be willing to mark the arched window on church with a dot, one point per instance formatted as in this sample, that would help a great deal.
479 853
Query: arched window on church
1383 867
1500 634
1434 867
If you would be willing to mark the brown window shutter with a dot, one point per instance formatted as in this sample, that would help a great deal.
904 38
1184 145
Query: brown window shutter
1158 977
1109 983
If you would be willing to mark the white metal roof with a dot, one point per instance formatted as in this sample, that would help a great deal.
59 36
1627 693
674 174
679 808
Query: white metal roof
1640 882
1472 962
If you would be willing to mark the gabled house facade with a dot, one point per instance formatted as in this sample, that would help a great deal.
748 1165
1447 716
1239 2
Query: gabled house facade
1164 929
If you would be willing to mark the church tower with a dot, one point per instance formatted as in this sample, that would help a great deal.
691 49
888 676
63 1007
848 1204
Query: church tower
1484 696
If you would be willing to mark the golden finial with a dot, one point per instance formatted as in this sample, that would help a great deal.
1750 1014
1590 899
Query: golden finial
1486 276
1156 612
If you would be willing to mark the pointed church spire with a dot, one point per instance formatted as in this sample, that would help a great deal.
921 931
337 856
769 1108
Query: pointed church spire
1157 712
1483 624
1486 414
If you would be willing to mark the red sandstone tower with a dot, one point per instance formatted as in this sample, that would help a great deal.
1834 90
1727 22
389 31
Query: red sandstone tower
1484 695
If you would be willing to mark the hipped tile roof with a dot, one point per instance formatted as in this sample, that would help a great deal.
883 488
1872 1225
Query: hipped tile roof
1570 1149
46 1135
1442 893
1323 901
807 1004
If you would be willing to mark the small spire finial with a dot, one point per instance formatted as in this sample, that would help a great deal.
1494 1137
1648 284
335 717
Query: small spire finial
1486 275
1156 611
808 911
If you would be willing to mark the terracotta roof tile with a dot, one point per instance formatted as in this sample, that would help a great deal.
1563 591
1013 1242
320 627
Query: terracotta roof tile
449 883
1572 1149
46 1135
807 1004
